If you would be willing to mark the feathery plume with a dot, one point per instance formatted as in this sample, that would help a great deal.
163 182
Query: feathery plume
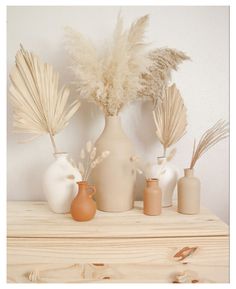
211 137
154 81
113 79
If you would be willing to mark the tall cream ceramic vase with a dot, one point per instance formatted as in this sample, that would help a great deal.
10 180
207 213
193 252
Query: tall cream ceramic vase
189 193
114 178
59 183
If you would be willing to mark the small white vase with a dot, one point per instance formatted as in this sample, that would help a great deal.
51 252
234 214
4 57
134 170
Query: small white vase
167 175
59 183
114 178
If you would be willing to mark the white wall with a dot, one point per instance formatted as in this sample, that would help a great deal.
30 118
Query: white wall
202 32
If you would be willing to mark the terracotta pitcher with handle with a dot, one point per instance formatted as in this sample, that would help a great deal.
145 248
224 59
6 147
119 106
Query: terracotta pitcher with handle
83 207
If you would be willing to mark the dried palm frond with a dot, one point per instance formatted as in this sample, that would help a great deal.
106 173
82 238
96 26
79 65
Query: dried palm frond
171 155
211 137
170 117
112 79
39 106
162 61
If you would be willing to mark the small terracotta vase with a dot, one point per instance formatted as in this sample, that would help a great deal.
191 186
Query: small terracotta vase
189 193
83 207
152 198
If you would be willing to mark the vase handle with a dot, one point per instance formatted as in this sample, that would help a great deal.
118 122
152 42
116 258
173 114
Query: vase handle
93 190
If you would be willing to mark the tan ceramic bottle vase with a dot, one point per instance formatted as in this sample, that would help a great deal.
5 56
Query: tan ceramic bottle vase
189 193
152 198
115 177
83 207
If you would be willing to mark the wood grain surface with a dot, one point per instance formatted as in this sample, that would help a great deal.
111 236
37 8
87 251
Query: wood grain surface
121 260
43 247
34 219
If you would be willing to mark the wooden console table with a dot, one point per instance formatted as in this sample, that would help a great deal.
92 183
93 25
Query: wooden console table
115 247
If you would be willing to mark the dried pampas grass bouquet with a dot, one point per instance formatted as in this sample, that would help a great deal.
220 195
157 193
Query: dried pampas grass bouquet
157 76
112 79
39 105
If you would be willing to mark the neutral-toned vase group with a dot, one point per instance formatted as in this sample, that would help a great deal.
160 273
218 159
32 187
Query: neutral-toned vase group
40 106
114 182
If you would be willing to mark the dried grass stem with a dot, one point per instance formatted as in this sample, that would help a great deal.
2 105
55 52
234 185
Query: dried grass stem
210 137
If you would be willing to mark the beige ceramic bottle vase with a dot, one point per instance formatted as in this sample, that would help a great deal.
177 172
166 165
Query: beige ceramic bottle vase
189 193
114 178
152 198
83 207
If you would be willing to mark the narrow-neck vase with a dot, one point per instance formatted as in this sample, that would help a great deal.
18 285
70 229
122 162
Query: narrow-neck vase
114 178
83 207
152 198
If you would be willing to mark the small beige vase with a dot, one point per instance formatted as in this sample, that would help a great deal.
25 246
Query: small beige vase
114 178
152 198
189 193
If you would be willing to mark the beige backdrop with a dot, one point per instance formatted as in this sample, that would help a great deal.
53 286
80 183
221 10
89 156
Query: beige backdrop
202 32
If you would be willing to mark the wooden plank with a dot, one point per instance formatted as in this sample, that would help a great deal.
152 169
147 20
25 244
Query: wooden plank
34 219
118 260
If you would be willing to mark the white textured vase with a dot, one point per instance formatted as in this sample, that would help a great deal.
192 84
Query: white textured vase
168 176
60 190
114 178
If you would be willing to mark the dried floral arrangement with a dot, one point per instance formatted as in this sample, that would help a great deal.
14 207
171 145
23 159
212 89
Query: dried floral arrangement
39 106
170 118
210 137
89 160
112 79
156 78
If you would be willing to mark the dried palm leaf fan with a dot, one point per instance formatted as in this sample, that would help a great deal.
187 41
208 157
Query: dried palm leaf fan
170 117
154 81
211 137
39 106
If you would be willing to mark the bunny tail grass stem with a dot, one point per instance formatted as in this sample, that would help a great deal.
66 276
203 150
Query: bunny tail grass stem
87 168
